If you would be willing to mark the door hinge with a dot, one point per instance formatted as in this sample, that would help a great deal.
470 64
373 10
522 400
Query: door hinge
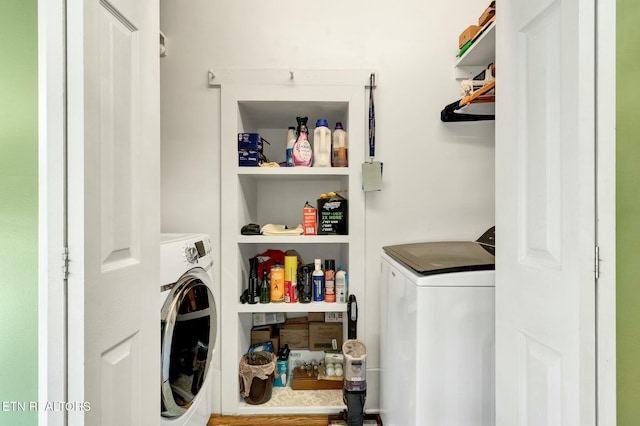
65 263
597 262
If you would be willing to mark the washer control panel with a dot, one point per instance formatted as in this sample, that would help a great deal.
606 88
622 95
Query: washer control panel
191 254
197 251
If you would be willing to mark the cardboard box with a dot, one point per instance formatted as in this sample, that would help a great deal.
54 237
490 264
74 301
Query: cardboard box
468 34
249 142
333 316
486 15
309 217
265 333
325 336
265 318
333 216
248 158
295 333
316 316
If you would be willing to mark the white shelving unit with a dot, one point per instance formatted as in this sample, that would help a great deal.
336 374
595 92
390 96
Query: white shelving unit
277 195
474 61
481 53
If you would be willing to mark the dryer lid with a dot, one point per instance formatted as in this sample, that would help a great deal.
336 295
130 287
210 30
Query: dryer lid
447 256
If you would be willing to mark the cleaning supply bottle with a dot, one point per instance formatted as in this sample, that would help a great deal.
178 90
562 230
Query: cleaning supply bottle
290 278
322 144
302 153
318 282
253 286
342 285
264 288
329 281
305 283
291 140
277 283
340 152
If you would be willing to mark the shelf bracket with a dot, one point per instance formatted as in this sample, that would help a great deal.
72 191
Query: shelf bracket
468 72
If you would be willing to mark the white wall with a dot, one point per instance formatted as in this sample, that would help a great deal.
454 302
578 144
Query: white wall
438 177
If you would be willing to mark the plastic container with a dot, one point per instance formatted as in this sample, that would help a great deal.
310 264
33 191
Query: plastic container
342 285
302 152
355 365
318 282
322 144
253 285
277 283
290 279
291 140
340 152
305 284
329 281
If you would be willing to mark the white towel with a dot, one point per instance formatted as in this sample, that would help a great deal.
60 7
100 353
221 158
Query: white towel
271 229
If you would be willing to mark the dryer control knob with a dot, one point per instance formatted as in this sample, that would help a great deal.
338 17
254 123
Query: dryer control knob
191 254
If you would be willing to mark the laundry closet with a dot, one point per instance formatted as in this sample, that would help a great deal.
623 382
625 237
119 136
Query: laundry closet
437 179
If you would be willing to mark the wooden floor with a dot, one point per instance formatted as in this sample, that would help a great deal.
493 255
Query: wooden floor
300 420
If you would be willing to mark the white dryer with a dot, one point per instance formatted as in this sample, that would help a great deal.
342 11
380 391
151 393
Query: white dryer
189 329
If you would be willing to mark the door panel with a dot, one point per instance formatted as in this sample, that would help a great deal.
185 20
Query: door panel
540 163
118 367
545 203
114 223
119 107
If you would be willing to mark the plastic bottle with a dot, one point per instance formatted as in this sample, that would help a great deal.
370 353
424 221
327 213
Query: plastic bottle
291 140
322 144
318 282
305 284
342 285
340 153
290 278
329 281
277 283
302 153
264 288
254 292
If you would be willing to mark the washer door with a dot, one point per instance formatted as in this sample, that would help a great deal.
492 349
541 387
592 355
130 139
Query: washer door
189 323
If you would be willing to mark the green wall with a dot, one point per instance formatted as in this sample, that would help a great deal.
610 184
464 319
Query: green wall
18 209
628 211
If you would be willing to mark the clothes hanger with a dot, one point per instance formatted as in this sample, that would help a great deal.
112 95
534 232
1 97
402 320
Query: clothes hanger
448 114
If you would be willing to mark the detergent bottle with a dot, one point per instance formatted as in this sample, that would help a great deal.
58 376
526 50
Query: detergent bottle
322 144
302 153
291 140
340 152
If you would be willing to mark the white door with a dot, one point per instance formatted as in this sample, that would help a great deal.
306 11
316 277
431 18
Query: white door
545 280
113 211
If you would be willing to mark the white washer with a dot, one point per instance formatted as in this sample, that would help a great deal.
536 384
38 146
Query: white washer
437 338
189 330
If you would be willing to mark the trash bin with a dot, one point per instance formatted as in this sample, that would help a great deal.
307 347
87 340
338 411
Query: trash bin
256 376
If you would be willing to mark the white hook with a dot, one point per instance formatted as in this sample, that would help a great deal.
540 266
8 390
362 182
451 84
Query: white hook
212 76
290 74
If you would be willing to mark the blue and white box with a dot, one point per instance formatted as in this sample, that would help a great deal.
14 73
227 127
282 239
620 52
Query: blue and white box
249 142
248 158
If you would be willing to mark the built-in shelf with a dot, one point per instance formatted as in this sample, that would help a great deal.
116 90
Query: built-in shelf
479 55
287 400
293 307
277 195
293 239
281 172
